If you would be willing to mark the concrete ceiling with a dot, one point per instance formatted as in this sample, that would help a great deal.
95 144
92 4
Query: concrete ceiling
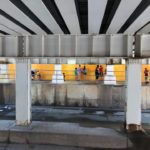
27 17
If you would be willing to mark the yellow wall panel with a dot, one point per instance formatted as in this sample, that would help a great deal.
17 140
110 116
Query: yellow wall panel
46 70
11 71
119 72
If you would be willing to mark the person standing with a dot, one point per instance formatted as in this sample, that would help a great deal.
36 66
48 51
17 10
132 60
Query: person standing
79 72
38 75
97 72
84 71
32 74
64 76
100 71
76 74
146 73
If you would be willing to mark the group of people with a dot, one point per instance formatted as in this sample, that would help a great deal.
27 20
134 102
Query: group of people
78 71
99 72
35 74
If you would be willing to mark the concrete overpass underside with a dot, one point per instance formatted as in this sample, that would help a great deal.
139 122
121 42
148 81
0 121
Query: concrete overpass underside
23 51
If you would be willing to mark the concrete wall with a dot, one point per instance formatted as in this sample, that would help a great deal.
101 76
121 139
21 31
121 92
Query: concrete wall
75 95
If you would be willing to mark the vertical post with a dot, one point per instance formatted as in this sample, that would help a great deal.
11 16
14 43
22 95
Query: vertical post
108 45
23 94
59 43
27 53
43 45
133 95
76 43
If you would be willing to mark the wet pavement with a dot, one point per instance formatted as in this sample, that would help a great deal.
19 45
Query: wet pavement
45 147
86 118
74 114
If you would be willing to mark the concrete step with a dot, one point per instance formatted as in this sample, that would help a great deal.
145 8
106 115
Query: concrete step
66 134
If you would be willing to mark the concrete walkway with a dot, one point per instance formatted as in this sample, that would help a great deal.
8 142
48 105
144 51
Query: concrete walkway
66 134
38 147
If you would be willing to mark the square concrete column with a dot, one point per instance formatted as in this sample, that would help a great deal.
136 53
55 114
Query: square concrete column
133 95
23 92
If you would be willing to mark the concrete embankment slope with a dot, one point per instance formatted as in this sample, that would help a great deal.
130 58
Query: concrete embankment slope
66 134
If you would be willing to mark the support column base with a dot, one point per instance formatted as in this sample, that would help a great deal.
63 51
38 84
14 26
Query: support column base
23 123
134 127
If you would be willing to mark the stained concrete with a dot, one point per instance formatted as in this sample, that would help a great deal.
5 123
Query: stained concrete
37 147
61 95
145 97
8 93
66 134
75 95
1 95
88 95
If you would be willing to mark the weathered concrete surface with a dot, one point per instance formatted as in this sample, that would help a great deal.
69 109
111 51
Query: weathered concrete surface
90 95
75 95
4 136
8 93
61 95
106 96
37 147
1 95
145 97
118 100
43 94
66 134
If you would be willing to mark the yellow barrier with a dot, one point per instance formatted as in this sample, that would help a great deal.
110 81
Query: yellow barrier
47 70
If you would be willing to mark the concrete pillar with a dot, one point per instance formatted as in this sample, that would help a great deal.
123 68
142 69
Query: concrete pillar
133 95
23 94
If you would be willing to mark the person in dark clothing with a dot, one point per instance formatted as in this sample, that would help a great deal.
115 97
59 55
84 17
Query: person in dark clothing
64 76
146 74
84 72
32 74
97 72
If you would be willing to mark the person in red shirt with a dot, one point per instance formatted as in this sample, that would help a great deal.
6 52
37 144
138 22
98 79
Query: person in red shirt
100 71
146 72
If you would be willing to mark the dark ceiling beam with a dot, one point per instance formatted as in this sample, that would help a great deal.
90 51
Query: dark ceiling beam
137 12
110 11
4 33
82 13
20 5
54 11
4 14
142 27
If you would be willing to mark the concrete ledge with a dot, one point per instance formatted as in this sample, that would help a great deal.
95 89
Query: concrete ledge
66 134
4 136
